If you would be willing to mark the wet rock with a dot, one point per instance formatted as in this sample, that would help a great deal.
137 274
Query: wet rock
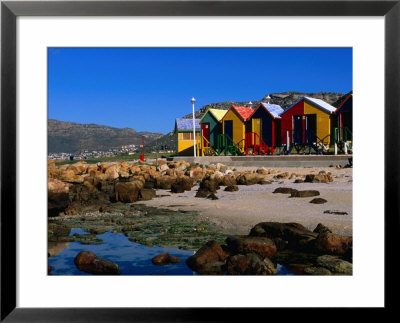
294 235
284 190
317 271
262 246
306 193
334 244
335 265
209 185
250 264
299 180
146 194
318 200
228 180
212 197
177 188
321 228
320 178
212 268
174 260
335 212
128 192
88 262
162 259
232 188
211 251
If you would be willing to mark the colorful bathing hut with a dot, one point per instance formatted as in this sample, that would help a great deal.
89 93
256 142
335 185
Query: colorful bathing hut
307 121
184 130
266 123
211 126
234 126
343 120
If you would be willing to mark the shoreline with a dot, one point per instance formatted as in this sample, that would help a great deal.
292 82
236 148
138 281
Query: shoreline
237 212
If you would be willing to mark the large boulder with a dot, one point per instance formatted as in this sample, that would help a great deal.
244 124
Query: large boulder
334 244
69 176
292 235
211 185
262 246
165 182
228 180
128 192
58 196
249 179
182 184
162 259
250 264
88 262
284 190
210 252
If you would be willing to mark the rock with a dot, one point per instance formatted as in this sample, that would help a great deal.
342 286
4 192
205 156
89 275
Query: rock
284 175
209 185
317 271
57 197
250 264
321 228
88 262
70 177
294 235
318 200
202 193
335 212
262 171
163 168
196 173
210 252
232 188
249 179
174 260
177 188
306 193
299 180
161 260
48 269
212 268
262 246
212 197
165 182
146 194
334 244
228 180
284 190
335 265
320 178
128 192
229 172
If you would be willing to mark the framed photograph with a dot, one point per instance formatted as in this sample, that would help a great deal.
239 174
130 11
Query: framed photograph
75 206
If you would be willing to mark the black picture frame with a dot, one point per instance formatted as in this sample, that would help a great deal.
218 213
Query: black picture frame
10 10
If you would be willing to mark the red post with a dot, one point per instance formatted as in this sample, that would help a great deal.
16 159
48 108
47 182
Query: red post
142 155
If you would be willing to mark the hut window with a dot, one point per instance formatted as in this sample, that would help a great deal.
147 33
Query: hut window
186 136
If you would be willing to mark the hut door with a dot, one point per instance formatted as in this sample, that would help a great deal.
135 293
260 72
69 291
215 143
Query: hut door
205 129
297 129
228 130
311 127
257 130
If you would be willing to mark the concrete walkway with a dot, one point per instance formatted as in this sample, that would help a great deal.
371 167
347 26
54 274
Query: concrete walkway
270 161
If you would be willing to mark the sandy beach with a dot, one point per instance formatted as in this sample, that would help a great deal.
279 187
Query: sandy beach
237 212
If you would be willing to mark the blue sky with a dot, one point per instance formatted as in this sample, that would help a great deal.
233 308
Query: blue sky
147 88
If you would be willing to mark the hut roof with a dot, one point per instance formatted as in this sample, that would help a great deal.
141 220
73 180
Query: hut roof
317 102
344 101
186 124
274 109
244 112
218 114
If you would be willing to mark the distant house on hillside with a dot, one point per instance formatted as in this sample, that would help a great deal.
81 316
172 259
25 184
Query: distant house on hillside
184 130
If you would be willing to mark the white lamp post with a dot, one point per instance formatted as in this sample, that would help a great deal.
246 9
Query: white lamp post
193 100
